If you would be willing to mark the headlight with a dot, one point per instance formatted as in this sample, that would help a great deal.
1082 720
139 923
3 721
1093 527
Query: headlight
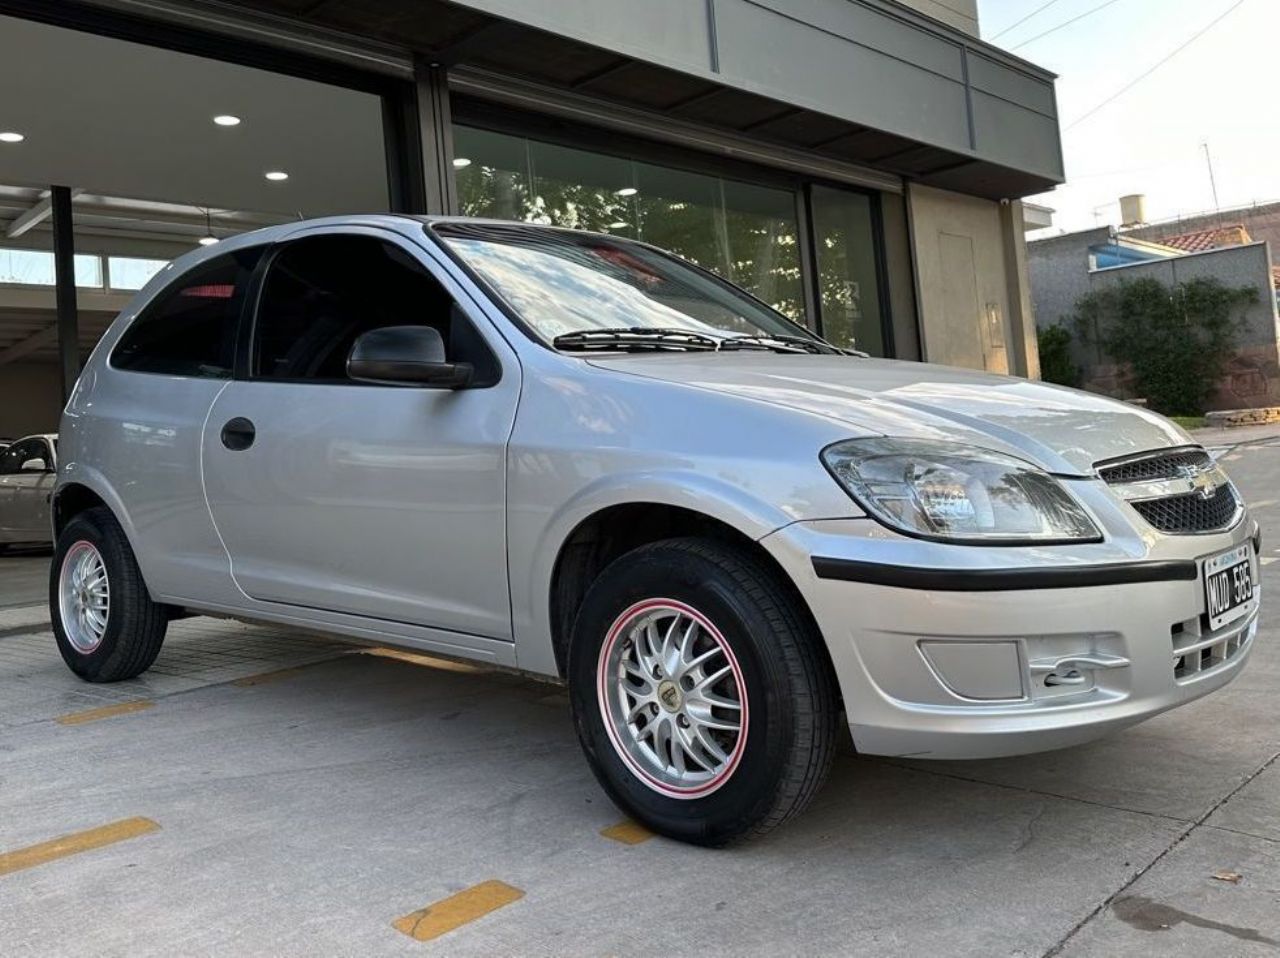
944 490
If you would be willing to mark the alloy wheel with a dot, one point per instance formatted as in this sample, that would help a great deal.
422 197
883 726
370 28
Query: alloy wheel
673 698
84 596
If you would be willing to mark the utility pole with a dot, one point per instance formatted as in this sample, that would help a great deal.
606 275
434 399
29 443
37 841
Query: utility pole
1208 158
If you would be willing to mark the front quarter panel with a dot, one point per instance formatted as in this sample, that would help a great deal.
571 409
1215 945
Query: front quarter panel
587 439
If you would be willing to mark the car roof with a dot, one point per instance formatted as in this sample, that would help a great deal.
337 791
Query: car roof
273 234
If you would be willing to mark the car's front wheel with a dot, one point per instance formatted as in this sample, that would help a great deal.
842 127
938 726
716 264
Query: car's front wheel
105 623
700 692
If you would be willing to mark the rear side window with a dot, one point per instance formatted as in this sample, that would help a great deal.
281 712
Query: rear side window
190 328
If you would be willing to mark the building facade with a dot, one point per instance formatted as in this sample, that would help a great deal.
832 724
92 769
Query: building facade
857 164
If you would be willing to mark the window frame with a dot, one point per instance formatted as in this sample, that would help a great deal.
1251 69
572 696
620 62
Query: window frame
248 331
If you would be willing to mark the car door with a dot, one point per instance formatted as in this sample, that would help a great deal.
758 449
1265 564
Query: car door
374 500
33 488
9 465
26 482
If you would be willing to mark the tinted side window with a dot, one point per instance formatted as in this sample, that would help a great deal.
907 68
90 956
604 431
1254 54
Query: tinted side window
321 292
190 327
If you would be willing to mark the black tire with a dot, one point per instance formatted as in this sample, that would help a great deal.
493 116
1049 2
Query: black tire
135 625
792 708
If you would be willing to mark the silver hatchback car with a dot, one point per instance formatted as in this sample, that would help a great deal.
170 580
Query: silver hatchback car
581 457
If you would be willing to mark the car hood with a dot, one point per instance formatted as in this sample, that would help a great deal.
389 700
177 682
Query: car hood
1062 430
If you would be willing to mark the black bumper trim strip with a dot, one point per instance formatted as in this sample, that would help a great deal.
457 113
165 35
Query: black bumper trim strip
1004 580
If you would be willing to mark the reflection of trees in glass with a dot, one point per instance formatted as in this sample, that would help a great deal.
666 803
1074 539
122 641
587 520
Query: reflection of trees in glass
492 192
847 269
690 214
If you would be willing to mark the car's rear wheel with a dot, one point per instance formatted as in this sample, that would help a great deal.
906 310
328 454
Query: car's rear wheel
700 691
105 623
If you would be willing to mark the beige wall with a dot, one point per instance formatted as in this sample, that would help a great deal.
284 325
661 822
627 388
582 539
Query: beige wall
961 14
30 399
971 282
1024 348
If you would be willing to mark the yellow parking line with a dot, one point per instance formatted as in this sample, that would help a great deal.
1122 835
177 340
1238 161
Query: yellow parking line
74 844
629 833
109 711
417 658
449 913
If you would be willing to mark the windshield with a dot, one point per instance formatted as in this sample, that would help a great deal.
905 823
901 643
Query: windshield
562 282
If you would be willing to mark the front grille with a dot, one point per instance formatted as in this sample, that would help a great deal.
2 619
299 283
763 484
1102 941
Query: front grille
1192 512
1168 465
1178 491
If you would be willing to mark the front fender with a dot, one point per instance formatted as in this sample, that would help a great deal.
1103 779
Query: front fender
532 554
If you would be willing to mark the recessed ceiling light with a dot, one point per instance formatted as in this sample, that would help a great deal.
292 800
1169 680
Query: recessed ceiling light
207 240
460 162
226 119
626 191
275 176
11 137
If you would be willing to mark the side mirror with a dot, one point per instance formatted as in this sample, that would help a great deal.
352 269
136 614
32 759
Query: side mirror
34 465
406 356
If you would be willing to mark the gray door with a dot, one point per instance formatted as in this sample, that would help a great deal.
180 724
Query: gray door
381 501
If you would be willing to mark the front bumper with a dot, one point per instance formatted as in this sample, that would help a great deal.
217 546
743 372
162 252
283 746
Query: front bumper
962 660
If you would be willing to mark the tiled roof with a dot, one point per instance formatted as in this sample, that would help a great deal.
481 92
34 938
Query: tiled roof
1216 238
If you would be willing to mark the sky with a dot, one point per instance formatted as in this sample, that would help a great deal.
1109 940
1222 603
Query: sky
1220 90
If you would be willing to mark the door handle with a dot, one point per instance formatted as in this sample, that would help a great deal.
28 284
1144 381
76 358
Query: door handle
238 434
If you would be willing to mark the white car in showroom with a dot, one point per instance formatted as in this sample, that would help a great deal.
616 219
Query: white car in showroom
582 457
28 468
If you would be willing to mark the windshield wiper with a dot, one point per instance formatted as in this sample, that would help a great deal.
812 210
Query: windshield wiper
638 338
777 344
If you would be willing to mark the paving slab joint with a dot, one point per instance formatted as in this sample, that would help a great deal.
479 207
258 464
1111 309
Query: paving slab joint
1132 880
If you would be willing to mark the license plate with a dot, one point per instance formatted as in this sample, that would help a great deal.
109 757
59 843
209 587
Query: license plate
1228 587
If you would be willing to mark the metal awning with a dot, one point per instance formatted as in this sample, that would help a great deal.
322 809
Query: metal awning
867 84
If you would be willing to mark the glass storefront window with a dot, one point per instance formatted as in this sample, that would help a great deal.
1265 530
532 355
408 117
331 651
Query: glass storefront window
848 280
492 172
744 232
765 254
161 150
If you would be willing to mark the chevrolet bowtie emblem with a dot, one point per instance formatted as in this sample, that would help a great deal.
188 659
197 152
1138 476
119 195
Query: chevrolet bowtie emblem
1202 482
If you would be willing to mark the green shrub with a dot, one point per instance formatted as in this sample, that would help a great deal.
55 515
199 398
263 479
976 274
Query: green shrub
1056 365
1176 340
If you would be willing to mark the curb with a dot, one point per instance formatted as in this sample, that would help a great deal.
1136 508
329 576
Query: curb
24 618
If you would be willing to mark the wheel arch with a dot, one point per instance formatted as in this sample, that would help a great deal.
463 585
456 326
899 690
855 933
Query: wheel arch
80 489
69 501
613 530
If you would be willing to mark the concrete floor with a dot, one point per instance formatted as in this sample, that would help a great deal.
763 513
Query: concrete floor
24 577
306 810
